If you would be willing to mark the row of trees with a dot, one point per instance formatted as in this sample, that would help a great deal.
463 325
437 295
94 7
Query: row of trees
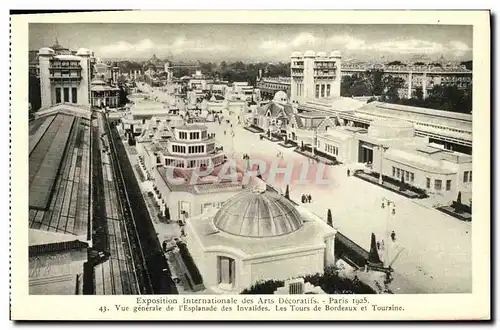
389 89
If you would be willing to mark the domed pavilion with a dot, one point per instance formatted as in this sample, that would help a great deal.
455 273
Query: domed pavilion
258 235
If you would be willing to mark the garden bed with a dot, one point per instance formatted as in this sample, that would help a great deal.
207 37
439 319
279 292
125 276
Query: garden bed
272 139
387 184
190 264
254 129
287 144
450 210
317 157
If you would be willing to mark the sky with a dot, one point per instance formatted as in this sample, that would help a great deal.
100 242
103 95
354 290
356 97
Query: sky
257 42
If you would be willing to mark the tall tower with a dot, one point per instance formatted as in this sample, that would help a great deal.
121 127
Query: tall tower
44 56
337 64
315 76
84 86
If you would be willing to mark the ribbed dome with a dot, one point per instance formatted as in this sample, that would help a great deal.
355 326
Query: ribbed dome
309 53
46 51
258 214
84 52
335 53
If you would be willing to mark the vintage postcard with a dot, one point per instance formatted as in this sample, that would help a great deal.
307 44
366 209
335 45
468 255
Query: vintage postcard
223 165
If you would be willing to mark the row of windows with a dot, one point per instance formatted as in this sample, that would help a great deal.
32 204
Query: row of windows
441 127
324 89
283 87
300 89
196 149
209 205
331 149
196 163
174 162
74 95
179 149
400 173
192 135
324 65
65 64
438 184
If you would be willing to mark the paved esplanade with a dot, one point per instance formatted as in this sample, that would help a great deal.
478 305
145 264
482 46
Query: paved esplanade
437 247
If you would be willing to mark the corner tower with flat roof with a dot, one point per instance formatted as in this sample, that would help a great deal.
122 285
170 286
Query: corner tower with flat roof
315 76
64 78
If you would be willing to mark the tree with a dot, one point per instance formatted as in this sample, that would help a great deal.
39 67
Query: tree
395 63
287 193
373 256
167 213
329 219
468 64
458 203
123 96
402 186
34 95
259 175
419 63
391 87
419 93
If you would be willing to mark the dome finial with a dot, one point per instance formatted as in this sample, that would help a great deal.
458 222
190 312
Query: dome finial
260 187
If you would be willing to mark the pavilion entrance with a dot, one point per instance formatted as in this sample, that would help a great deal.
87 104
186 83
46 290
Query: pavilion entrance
365 152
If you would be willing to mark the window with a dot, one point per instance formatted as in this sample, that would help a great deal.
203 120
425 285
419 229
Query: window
437 184
428 183
397 172
467 176
448 185
74 95
66 94
317 91
226 269
407 176
412 177
393 171
322 90
328 90
58 95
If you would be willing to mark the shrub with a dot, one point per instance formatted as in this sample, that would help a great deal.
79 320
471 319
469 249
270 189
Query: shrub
329 219
330 282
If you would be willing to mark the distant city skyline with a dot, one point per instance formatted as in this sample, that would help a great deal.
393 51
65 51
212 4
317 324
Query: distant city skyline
257 42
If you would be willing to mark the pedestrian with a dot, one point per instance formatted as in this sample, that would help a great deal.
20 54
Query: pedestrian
393 236
309 198
378 245
348 172
224 132
303 198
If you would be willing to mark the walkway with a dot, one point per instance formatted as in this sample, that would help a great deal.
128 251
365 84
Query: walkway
437 247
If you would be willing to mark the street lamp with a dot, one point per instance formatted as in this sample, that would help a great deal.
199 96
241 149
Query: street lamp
391 208
382 148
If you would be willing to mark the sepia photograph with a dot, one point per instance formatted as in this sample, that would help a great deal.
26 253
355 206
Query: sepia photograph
211 159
